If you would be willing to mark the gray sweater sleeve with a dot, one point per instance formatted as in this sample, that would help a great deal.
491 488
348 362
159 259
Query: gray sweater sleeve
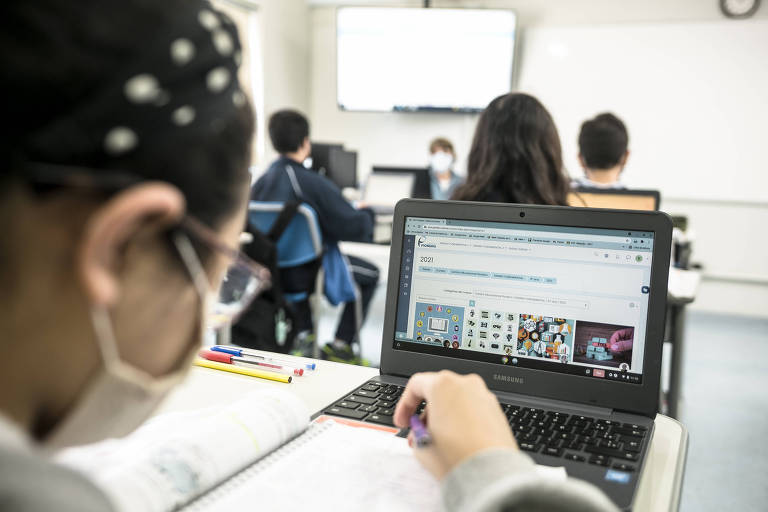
506 480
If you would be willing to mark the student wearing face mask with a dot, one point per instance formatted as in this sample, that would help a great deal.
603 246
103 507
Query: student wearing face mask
442 158
124 188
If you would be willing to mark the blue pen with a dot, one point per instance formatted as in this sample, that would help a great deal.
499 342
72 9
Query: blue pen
244 352
420 433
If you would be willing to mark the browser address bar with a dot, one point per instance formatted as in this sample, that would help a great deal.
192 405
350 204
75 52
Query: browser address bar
531 234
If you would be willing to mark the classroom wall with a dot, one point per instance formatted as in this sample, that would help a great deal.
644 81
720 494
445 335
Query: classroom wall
283 32
733 270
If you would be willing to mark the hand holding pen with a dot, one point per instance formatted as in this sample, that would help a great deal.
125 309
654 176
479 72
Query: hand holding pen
462 418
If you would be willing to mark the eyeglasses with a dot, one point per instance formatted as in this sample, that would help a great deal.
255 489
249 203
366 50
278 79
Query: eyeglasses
244 279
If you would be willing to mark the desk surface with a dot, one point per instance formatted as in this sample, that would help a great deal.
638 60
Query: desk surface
659 485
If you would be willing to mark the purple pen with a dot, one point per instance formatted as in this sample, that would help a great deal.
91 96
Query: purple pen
420 433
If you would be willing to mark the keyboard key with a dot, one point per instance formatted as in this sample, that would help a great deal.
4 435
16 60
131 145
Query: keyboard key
348 405
629 432
378 418
619 454
632 446
634 427
361 399
387 412
530 447
368 408
574 456
385 404
600 460
346 413
551 450
363 392
371 387
390 397
611 445
623 466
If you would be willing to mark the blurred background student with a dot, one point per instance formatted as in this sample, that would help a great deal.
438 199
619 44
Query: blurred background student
603 152
287 179
442 159
516 155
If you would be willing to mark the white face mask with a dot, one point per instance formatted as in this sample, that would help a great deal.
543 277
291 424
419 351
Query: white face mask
440 161
307 162
122 396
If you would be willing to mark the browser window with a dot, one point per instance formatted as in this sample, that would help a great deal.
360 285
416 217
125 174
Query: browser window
554 298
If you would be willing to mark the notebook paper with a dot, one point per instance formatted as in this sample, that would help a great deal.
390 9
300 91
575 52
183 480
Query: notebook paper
178 456
331 467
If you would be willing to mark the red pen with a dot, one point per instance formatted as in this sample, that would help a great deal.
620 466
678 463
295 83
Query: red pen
222 357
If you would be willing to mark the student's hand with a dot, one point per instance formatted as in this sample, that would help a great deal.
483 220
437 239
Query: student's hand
463 418
621 340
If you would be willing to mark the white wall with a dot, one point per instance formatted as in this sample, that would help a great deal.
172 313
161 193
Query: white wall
729 241
283 34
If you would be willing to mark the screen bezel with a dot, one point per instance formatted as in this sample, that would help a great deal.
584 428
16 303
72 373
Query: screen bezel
636 398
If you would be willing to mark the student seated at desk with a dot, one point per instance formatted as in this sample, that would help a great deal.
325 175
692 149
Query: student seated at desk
442 158
603 152
124 183
125 191
515 155
288 180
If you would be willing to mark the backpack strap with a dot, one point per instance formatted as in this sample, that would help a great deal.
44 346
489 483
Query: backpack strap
283 220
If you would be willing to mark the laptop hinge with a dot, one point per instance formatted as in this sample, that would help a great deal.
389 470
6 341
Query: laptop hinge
549 403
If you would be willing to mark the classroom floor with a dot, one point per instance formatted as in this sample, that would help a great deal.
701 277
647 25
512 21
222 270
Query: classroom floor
725 405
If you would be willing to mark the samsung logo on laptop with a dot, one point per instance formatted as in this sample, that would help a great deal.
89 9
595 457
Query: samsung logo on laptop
507 378
422 242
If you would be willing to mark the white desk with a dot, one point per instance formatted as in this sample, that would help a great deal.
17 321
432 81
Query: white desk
660 483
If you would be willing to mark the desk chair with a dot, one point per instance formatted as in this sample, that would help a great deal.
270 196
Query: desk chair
301 243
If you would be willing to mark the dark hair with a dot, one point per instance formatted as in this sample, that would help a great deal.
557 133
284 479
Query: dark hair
62 58
287 130
603 141
441 143
515 155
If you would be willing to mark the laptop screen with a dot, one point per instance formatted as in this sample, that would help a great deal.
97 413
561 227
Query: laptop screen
550 298
387 189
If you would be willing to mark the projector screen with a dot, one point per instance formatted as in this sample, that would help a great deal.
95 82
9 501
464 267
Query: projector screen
411 59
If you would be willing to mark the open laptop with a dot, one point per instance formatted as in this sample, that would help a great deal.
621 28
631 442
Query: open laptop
560 310
384 190
621 199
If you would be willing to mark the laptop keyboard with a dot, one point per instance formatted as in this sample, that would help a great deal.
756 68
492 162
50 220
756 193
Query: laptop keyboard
572 437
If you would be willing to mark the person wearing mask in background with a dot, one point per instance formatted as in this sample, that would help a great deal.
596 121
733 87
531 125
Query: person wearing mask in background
122 190
288 180
603 152
515 155
442 158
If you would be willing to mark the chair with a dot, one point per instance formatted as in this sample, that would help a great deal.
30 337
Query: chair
300 243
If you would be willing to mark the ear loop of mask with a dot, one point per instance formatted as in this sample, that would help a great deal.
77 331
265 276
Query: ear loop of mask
102 324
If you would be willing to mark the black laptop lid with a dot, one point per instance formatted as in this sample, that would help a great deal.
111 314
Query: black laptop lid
556 302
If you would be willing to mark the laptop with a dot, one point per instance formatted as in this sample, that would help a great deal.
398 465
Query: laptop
622 199
560 310
383 191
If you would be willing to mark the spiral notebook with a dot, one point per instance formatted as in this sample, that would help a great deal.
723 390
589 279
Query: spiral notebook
260 452
330 467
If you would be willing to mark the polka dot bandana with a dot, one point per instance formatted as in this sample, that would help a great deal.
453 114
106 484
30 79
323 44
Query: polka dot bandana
182 80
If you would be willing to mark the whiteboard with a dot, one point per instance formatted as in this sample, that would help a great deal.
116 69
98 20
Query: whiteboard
694 97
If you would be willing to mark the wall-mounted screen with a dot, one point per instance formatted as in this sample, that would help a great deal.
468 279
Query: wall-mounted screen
412 59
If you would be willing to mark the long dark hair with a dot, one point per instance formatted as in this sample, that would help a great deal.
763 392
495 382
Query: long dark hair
515 155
